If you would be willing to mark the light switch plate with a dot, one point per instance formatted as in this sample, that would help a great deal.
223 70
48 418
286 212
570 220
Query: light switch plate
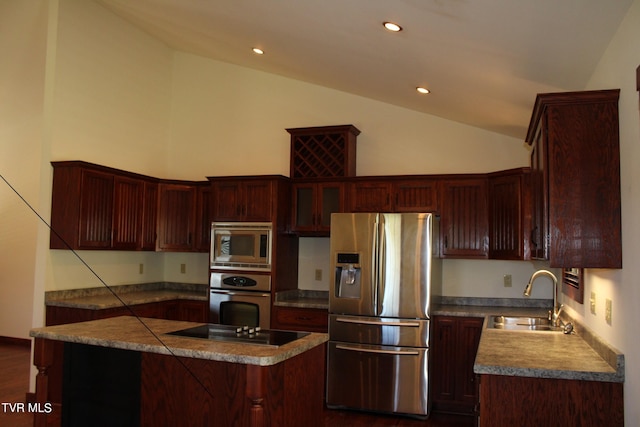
592 302
507 281
607 310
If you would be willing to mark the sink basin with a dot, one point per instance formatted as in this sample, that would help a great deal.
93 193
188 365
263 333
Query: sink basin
524 323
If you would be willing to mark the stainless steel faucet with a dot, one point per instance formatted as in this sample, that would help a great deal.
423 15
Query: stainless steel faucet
554 314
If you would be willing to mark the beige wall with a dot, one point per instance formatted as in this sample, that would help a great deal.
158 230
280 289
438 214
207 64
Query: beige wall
23 30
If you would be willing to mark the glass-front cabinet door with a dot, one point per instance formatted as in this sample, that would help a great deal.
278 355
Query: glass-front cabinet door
313 204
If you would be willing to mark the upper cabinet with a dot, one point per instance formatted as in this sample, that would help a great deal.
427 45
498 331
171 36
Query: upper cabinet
313 203
575 173
464 226
251 198
323 152
394 194
509 214
183 216
95 207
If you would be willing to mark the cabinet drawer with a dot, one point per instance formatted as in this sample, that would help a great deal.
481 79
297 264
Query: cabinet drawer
300 319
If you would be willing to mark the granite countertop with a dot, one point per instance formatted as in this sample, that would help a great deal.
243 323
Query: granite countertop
103 298
149 335
540 354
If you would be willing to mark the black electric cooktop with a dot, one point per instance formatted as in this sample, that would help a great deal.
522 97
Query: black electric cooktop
240 334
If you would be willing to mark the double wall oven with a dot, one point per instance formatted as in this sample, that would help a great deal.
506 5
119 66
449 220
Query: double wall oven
240 273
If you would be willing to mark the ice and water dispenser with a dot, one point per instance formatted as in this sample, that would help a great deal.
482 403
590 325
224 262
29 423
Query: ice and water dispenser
347 275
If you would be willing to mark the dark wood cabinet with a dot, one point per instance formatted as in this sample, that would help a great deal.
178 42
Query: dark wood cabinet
203 217
507 401
187 310
509 214
323 152
313 204
370 195
96 210
251 198
150 216
394 194
415 195
127 213
96 207
256 198
176 217
576 179
454 344
464 226
299 319
184 221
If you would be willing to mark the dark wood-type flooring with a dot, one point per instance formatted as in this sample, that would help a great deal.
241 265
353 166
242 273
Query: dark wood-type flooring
14 383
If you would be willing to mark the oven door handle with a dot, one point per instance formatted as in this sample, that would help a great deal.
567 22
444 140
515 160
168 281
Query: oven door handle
378 322
239 293
379 351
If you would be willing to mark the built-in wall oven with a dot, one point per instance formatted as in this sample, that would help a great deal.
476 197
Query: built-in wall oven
240 298
240 273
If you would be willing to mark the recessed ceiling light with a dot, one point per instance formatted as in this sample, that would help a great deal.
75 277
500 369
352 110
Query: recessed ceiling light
258 51
392 26
423 90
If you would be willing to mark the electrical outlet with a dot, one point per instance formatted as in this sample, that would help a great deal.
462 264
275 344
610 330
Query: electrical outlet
318 274
592 302
183 268
607 310
507 281
141 268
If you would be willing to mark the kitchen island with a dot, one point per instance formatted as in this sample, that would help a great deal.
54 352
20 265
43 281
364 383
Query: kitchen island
131 370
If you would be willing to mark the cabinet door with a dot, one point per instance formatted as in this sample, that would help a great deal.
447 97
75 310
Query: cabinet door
127 213
176 217
538 241
464 224
313 204
416 196
149 216
242 200
508 202
96 210
454 345
227 201
203 218
304 207
257 199
370 196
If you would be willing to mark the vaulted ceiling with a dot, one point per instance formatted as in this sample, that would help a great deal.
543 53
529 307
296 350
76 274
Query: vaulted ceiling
484 61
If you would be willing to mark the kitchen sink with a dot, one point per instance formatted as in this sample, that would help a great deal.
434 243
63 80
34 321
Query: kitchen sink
522 323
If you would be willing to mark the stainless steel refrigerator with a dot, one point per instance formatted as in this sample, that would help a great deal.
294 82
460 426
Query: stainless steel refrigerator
384 272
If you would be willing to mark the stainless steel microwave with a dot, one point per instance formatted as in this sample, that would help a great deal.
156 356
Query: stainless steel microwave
241 245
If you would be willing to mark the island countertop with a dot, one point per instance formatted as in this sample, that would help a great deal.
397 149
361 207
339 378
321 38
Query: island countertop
150 335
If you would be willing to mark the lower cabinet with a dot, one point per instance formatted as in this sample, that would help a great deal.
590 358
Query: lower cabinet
454 344
507 401
299 319
187 310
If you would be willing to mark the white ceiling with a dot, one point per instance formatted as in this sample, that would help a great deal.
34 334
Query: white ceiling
483 60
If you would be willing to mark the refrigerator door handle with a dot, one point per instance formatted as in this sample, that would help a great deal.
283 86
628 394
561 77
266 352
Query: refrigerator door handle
378 322
379 351
375 260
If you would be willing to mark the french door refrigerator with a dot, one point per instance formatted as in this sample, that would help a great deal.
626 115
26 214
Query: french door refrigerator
384 273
